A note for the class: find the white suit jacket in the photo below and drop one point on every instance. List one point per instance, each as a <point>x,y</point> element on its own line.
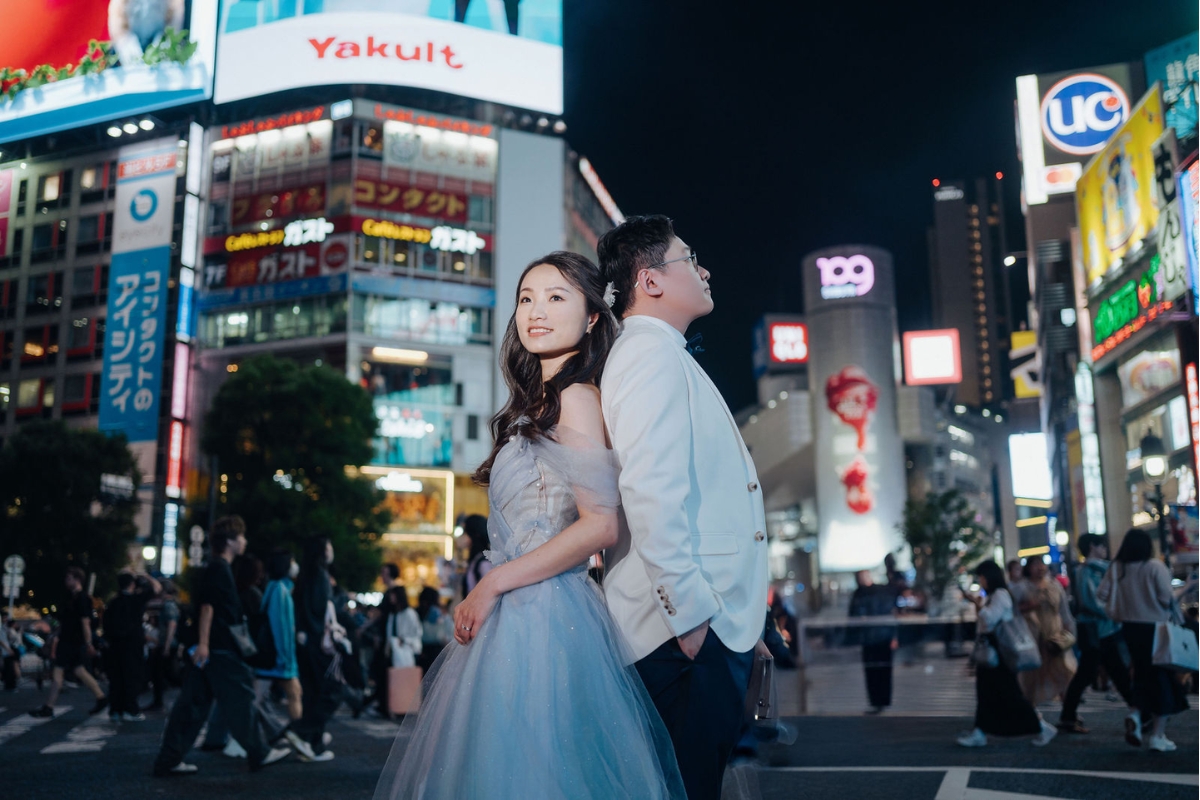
<point>694,546</point>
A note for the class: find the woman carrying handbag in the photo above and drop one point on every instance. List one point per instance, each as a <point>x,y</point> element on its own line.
<point>1137,593</point>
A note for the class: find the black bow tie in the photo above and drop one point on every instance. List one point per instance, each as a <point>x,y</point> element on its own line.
<point>692,345</point>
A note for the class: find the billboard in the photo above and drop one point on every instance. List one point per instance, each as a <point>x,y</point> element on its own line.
<point>1189,199</point>
<point>932,357</point>
<point>504,52</point>
<point>1064,118</point>
<point>1030,466</point>
<point>1115,196</point>
<point>1175,67</point>
<point>131,379</point>
<point>851,326</point>
<point>57,80</point>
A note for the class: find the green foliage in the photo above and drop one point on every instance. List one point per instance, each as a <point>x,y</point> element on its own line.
<point>172,47</point>
<point>52,512</point>
<point>945,539</point>
<point>283,435</point>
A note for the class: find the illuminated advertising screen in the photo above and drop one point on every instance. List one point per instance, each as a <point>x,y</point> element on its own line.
<point>932,357</point>
<point>1115,196</point>
<point>1030,466</point>
<point>506,52</point>
<point>1063,119</point>
<point>858,455</point>
<point>56,79</point>
<point>1176,68</point>
<point>1189,199</point>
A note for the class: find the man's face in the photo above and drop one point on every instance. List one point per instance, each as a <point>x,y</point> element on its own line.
<point>239,545</point>
<point>1100,551</point>
<point>684,283</point>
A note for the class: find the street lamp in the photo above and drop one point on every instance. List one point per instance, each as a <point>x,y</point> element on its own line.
<point>1154,465</point>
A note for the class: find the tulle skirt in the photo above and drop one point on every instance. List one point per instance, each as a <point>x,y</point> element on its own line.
<point>542,704</point>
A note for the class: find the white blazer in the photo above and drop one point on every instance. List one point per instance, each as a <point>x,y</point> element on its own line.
<point>693,546</point>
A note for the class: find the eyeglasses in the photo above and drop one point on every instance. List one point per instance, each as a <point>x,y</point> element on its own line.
<point>690,257</point>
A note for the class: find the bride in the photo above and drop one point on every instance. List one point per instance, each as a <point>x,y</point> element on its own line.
<point>536,698</point>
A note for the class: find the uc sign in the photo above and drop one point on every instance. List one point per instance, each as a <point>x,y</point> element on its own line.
<point>1081,112</point>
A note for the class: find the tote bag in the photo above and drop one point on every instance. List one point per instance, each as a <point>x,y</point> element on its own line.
<point>1018,649</point>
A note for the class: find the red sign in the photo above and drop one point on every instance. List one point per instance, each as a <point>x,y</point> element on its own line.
<point>148,165</point>
<point>273,123</point>
<point>431,121</point>
<point>932,357</point>
<point>1193,390</point>
<point>788,342</point>
<point>3,235</point>
<point>175,460</point>
<point>6,182</point>
<point>405,199</point>
<point>281,204</point>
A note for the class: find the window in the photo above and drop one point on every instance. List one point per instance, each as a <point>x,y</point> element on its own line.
<point>94,234</point>
<point>22,197</point>
<point>79,337</point>
<point>8,298</point>
<point>49,241</point>
<point>93,181</point>
<point>44,294</point>
<point>479,211</point>
<point>368,249</point>
<point>54,191</point>
<point>41,344</point>
<point>5,396</point>
<point>77,393</point>
<point>472,427</point>
<point>29,395</point>
<point>14,256</point>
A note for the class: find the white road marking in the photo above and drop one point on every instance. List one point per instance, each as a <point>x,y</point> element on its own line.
<point>89,736</point>
<point>954,785</point>
<point>1177,778</point>
<point>24,723</point>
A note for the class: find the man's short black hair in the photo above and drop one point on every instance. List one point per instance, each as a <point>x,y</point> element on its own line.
<point>224,531</point>
<point>1089,540</point>
<point>636,244</point>
<point>392,571</point>
<point>125,580</point>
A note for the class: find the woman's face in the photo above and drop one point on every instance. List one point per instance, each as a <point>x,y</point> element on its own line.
<point>982,581</point>
<point>1037,570</point>
<point>552,315</point>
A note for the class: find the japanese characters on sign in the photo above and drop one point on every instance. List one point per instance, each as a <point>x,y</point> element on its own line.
<point>1176,66</point>
<point>137,292</point>
<point>299,201</point>
<point>275,265</point>
<point>404,199</point>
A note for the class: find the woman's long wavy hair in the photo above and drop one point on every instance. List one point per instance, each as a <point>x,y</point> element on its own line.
<point>532,401</point>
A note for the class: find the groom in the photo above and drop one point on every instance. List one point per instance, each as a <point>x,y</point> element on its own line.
<point>687,581</point>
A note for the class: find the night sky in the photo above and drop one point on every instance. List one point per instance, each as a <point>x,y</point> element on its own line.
<point>785,127</point>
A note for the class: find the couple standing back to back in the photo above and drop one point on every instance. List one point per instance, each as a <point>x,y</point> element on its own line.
<point>613,439</point>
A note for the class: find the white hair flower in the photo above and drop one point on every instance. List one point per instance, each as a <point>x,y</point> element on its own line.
<point>610,295</point>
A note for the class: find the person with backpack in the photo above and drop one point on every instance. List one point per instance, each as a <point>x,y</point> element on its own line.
<point>1001,708</point>
<point>276,660</point>
<point>123,620</point>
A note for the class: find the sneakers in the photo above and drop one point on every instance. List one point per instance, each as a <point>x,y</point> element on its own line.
<point>101,704</point>
<point>975,738</point>
<point>127,717</point>
<point>1046,736</point>
<point>1133,729</point>
<point>233,749</point>
<point>299,745</point>
<point>326,738</point>
<point>324,755</point>
<point>1160,744</point>
<point>274,755</point>
<point>179,769</point>
<point>44,711</point>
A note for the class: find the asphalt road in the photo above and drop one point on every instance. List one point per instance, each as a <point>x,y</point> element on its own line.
<point>889,757</point>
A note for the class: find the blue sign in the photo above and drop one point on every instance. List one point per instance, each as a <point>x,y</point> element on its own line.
<point>131,381</point>
<point>185,319</point>
<point>288,290</point>
<point>1080,113</point>
<point>1175,67</point>
<point>143,205</point>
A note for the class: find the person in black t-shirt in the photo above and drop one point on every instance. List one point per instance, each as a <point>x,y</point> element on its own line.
<point>74,649</point>
<point>126,636</point>
<point>218,672</point>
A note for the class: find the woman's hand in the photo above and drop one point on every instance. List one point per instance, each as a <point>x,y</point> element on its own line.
<point>471,613</point>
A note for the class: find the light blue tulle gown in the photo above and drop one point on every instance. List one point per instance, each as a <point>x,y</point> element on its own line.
<point>543,703</point>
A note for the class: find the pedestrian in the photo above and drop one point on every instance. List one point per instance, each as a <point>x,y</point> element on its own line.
<point>389,574</point>
<point>878,641</point>
<point>218,671</point>
<point>1001,708</point>
<point>280,611</point>
<point>1137,593</point>
<point>1098,637</point>
<point>316,656</point>
<point>1017,585</point>
<point>404,631</point>
<point>248,575</point>
<point>1048,614</point>
<point>11,650</point>
<point>124,621</point>
<point>162,649</point>
<point>437,628</point>
<point>73,648</point>
<point>475,528</point>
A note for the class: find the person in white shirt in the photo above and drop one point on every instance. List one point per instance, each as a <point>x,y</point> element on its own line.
<point>687,580</point>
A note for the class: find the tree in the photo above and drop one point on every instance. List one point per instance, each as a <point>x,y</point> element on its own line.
<point>283,435</point>
<point>945,539</point>
<point>54,512</point>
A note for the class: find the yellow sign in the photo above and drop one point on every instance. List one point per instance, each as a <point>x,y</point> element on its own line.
<point>1115,195</point>
<point>392,230</point>
<point>1026,361</point>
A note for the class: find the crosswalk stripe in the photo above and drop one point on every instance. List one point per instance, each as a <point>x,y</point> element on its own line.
<point>25,723</point>
<point>89,736</point>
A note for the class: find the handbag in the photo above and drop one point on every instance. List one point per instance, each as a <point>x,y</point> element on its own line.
<point>762,702</point>
<point>1175,646</point>
<point>243,639</point>
<point>1018,649</point>
<point>984,654</point>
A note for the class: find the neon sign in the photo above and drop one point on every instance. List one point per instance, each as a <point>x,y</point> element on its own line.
<point>846,276</point>
<point>1127,310</point>
<point>789,342</point>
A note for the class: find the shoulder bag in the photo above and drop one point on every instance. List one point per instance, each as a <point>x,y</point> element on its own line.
<point>1174,645</point>
<point>1018,649</point>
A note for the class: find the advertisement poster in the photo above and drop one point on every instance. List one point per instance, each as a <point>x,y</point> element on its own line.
<point>148,67</point>
<point>503,51</point>
<point>1115,196</point>
<point>1189,199</point>
<point>859,457</point>
<point>1175,67</point>
<point>131,380</point>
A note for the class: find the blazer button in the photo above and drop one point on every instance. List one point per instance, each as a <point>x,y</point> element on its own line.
<point>752,486</point>
<point>758,536</point>
<point>670,612</point>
